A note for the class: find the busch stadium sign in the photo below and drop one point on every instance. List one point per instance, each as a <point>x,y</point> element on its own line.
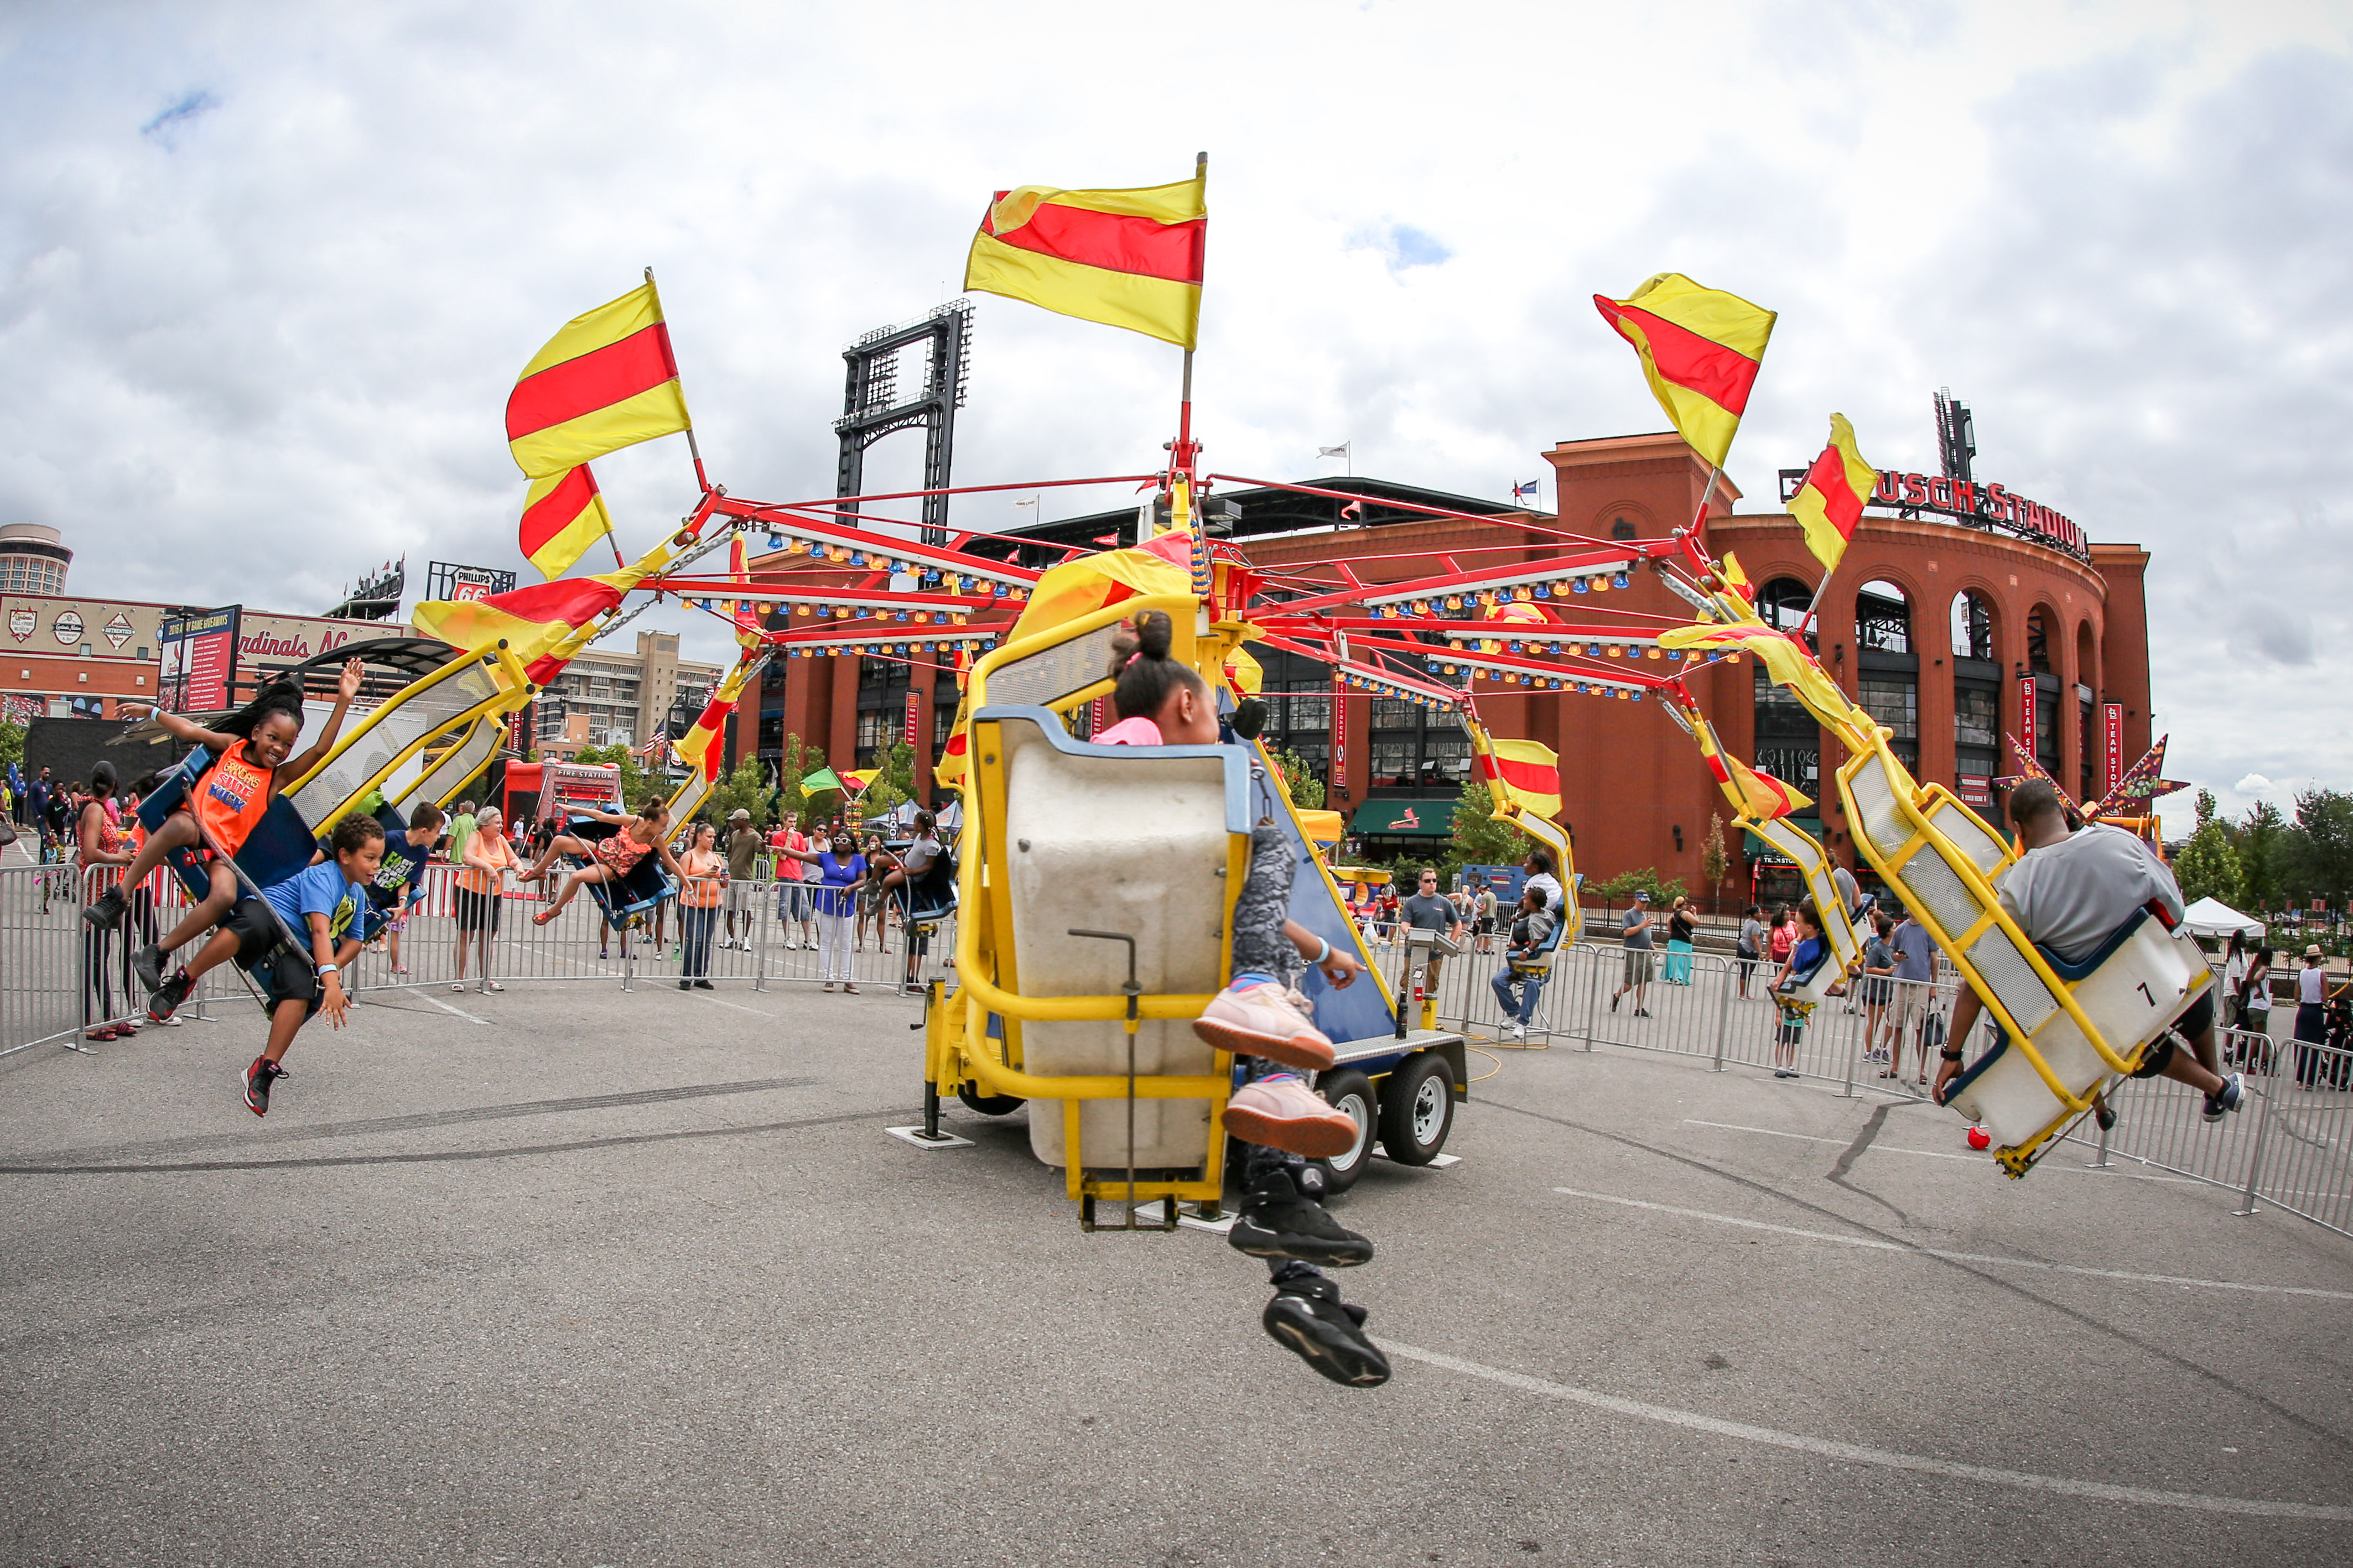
<point>1982,505</point>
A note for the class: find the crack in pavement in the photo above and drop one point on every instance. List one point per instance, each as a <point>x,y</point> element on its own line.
<point>404,1123</point>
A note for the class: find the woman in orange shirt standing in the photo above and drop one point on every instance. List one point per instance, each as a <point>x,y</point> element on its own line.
<point>698,913</point>
<point>481,891</point>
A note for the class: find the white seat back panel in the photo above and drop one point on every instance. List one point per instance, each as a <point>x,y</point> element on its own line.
<point>1136,843</point>
<point>2142,987</point>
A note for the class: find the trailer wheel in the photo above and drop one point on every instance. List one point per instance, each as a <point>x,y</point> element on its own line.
<point>1418,1110</point>
<point>989,1104</point>
<point>1350,1092</point>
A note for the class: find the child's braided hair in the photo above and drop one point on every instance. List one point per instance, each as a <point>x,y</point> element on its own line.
<point>1143,671</point>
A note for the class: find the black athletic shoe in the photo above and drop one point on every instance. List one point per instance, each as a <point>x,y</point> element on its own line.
<point>165,999</point>
<point>107,912</point>
<point>686,986</point>
<point>258,1079</point>
<point>1308,1318</point>
<point>1277,1222</point>
<point>148,965</point>
<point>2233,1096</point>
<point>2106,1115</point>
<point>705,985</point>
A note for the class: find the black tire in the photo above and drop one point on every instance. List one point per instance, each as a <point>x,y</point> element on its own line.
<point>1417,1109</point>
<point>989,1104</point>
<point>1350,1090</point>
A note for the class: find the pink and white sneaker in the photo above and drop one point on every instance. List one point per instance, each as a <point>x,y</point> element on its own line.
<point>1283,1113</point>
<point>1260,1020</point>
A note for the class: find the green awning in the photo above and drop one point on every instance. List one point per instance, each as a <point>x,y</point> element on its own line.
<point>1433,818</point>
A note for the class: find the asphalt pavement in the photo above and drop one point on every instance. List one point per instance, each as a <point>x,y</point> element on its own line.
<point>571,1277</point>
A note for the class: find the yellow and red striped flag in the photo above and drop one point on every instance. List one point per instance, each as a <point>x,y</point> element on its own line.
<point>744,614</point>
<point>1127,258</point>
<point>1830,503</point>
<point>605,381</point>
<point>563,516</point>
<point>1700,350</point>
<point>544,624</point>
<point>1524,774</point>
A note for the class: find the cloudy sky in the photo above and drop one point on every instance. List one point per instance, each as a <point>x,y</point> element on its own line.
<point>267,271</point>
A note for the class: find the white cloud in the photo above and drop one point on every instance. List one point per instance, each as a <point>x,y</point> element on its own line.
<point>2253,785</point>
<point>267,273</point>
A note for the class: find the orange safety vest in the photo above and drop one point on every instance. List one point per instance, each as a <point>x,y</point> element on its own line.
<point>231,798</point>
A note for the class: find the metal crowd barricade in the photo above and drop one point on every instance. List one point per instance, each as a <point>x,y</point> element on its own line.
<point>2291,1146</point>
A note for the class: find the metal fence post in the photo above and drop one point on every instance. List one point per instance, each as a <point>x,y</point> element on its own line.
<point>2254,1158</point>
<point>1853,1050</point>
<point>760,942</point>
<point>1592,997</point>
<point>1723,1010</point>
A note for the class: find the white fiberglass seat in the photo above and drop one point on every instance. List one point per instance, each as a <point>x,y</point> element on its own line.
<point>1140,840</point>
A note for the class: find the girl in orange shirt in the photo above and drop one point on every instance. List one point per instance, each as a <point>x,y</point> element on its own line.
<point>250,751</point>
<point>706,873</point>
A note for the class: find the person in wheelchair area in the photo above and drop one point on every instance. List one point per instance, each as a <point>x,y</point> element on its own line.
<point>1284,1125</point>
<point>2069,891</point>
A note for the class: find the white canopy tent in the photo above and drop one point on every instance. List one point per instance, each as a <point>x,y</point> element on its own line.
<point>2212,918</point>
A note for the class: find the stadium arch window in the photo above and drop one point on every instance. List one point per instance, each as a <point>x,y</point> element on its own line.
<point>2038,641</point>
<point>1882,619</point>
<point>1972,626</point>
<point>1783,602</point>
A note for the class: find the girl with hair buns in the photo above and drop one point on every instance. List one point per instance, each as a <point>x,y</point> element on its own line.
<point>1162,703</point>
<point>250,765</point>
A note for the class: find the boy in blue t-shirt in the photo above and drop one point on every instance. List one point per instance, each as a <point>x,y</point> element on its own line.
<point>399,883</point>
<point>323,909</point>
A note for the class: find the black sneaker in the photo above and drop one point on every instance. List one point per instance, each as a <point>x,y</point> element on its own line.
<point>258,1079</point>
<point>1613,1000</point>
<point>148,965</point>
<point>1641,1011</point>
<point>1308,1318</point>
<point>166,998</point>
<point>2105,1114</point>
<point>705,985</point>
<point>107,912</point>
<point>686,986</point>
<point>1276,1221</point>
<point>2233,1096</point>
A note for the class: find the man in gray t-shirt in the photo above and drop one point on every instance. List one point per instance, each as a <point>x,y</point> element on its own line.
<point>1429,910</point>
<point>1637,939</point>
<point>2069,891</point>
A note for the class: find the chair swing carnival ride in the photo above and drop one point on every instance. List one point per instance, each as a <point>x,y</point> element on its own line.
<point>1095,887</point>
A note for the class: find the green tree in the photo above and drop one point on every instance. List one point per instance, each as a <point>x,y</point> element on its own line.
<point>744,789</point>
<point>1715,861</point>
<point>1306,789</point>
<point>1479,839</point>
<point>2320,846</point>
<point>2261,842</point>
<point>894,785</point>
<point>12,742</point>
<point>2206,868</point>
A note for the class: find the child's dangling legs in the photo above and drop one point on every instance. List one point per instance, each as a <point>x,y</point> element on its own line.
<point>1285,1124</point>
<point>1255,1017</point>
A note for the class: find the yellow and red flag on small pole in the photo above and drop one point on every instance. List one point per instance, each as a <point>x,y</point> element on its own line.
<point>743,612</point>
<point>564,516</point>
<point>607,381</point>
<point>1830,503</point>
<point>1127,258</point>
<point>1700,350</point>
<point>544,624</point>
